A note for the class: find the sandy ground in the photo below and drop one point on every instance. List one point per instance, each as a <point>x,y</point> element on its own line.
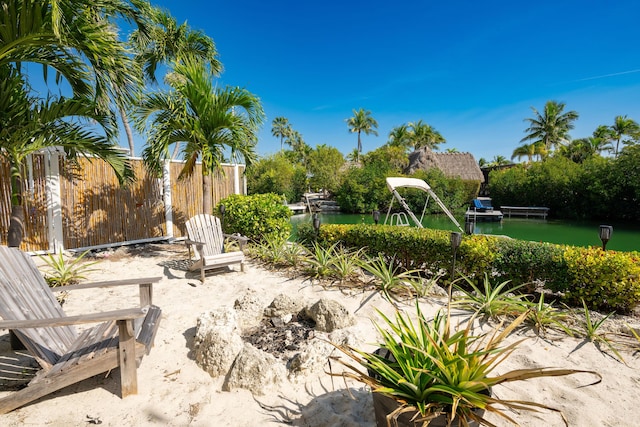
<point>174,391</point>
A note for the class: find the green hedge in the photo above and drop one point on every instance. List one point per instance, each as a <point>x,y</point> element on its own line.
<point>259,217</point>
<point>604,280</point>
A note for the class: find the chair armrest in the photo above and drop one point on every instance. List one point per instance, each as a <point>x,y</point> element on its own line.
<point>124,314</point>
<point>145,284</point>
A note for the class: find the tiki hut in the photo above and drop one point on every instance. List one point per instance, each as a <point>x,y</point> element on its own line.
<point>454,165</point>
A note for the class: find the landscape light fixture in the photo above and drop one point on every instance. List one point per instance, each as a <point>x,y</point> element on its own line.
<point>605,235</point>
<point>316,223</point>
<point>222,209</point>
<point>376,216</point>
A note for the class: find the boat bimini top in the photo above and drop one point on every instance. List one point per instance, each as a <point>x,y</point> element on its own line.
<point>394,183</point>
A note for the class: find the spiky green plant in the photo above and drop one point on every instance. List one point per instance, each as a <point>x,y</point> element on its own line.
<point>490,301</point>
<point>346,264</point>
<point>389,277</point>
<point>592,330</point>
<point>543,316</point>
<point>434,369</point>
<point>63,271</point>
<point>319,261</point>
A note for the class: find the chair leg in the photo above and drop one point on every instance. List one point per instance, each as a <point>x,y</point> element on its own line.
<point>202,274</point>
<point>127,358</point>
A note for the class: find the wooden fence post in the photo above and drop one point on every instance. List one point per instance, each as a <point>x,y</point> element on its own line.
<point>54,201</point>
<point>166,193</point>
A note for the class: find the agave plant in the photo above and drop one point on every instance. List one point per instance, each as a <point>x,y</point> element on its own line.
<point>389,277</point>
<point>491,301</point>
<point>431,369</point>
<point>592,330</point>
<point>63,272</point>
<point>319,262</point>
<point>346,264</point>
<point>543,316</point>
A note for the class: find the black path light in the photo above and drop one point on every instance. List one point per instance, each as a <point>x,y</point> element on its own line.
<point>223,209</point>
<point>376,216</point>
<point>605,235</point>
<point>316,223</point>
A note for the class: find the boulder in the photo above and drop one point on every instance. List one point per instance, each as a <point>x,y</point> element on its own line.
<point>217,341</point>
<point>255,370</point>
<point>329,315</point>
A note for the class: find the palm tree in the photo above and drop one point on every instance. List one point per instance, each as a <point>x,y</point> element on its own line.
<point>29,125</point>
<point>362,122</point>
<point>424,135</point>
<point>529,151</point>
<point>624,126</point>
<point>208,119</point>
<point>164,42</point>
<point>551,127</point>
<point>77,39</point>
<point>603,136</point>
<point>400,136</point>
<point>280,128</point>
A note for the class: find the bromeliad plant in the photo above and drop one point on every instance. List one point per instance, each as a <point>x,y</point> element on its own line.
<point>64,272</point>
<point>431,369</point>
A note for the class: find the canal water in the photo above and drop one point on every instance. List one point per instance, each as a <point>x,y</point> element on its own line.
<point>625,237</point>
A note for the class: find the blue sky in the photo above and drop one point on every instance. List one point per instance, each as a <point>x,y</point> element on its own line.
<point>470,69</point>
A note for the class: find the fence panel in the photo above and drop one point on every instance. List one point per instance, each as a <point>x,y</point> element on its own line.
<point>35,204</point>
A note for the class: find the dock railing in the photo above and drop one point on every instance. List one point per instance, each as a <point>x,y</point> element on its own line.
<point>526,211</point>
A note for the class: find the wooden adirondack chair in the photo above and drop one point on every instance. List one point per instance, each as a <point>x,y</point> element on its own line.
<point>29,307</point>
<point>207,239</point>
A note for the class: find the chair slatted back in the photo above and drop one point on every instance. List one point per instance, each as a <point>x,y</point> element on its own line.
<point>208,230</point>
<point>24,295</point>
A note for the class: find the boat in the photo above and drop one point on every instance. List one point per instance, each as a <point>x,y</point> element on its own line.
<point>481,209</point>
<point>402,218</point>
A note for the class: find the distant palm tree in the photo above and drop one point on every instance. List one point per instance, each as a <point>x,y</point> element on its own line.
<point>552,126</point>
<point>529,151</point>
<point>451,150</point>
<point>362,122</point>
<point>624,126</point>
<point>29,125</point>
<point>604,137</point>
<point>210,120</point>
<point>424,135</point>
<point>400,136</point>
<point>280,128</point>
<point>580,149</point>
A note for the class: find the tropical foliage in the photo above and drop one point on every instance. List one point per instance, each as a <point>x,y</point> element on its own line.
<point>551,127</point>
<point>362,121</point>
<point>211,121</point>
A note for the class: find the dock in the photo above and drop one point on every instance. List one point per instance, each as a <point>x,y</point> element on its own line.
<point>297,208</point>
<point>525,211</point>
<point>483,215</point>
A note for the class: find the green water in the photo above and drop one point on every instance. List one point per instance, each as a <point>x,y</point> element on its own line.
<point>625,237</point>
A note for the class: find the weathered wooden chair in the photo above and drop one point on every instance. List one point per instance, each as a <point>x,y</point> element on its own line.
<point>29,307</point>
<point>205,235</point>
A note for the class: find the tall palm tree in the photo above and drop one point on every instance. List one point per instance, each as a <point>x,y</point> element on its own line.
<point>424,135</point>
<point>209,120</point>
<point>280,128</point>
<point>362,122</point>
<point>603,137</point>
<point>552,126</point>
<point>624,126</point>
<point>400,136</point>
<point>29,125</point>
<point>163,42</point>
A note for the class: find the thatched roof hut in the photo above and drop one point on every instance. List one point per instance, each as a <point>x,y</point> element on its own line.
<point>460,165</point>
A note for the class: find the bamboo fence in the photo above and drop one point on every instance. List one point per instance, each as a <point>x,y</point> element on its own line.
<point>97,211</point>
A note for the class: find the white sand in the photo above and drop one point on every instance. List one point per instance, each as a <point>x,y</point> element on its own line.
<point>174,391</point>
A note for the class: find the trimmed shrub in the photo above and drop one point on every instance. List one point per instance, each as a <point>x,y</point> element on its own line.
<point>259,217</point>
<point>605,280</point>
